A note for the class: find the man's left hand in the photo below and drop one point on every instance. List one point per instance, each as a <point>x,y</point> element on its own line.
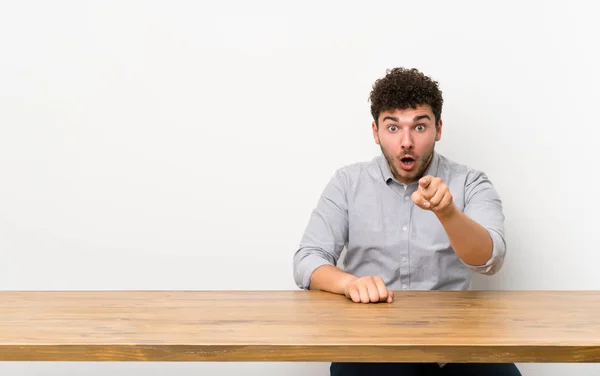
<point>433,194</point>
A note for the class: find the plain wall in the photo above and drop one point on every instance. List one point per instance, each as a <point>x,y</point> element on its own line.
<point>183,145</point>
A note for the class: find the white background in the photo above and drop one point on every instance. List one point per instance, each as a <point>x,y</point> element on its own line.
<point>182,145</point>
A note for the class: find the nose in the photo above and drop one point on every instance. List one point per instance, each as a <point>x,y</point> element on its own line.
<point>407,141</point>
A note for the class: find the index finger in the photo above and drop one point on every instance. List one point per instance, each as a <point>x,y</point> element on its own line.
<point>425,181</point>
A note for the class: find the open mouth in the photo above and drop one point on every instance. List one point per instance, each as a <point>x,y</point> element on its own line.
<point>407,162</point>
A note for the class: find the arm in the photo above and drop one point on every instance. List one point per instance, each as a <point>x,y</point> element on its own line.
<point>323,240</point>
<point>484,207</point>
<point>330,278</point>
<point>477,234</point>
<point>320,248</point>
<point>470,241</point>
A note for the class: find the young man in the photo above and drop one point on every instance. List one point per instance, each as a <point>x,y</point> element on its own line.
<point>409,219</point>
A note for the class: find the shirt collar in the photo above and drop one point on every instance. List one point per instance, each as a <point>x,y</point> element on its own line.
<point>386,172</point>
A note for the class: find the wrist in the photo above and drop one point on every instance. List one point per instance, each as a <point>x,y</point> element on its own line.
<point>346,282</point>
<point>447,213</point>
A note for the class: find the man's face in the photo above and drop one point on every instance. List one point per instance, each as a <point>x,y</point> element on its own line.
<point>407,139</point>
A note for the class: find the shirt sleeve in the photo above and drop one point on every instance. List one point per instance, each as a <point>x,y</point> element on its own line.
<point>326,233</point>
<point>483,205</point>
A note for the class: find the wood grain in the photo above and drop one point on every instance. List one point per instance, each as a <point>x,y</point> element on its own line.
<point>419,326</point>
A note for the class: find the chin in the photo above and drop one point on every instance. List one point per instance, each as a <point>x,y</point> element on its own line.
<point>412,176</point>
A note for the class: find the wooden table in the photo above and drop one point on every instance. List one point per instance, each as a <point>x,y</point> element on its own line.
<point>426,326</point>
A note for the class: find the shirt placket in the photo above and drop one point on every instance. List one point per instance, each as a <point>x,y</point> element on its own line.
<point>404,234</point>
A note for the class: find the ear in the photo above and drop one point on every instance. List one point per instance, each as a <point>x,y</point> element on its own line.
<point>438,134</point>
<point>375,134</point>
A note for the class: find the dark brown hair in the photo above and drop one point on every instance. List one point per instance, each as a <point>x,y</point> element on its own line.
<point>402,88</point>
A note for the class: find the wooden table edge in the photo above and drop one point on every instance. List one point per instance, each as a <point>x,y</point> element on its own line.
<point>301,353</point>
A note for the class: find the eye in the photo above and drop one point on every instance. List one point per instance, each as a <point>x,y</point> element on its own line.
<point>420,127</point>
<point>393,128</point>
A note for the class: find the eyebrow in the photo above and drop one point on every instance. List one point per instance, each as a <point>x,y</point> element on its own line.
<point>416,118</point>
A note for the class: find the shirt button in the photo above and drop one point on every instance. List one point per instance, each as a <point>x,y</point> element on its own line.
<point>404,259</point>
<point>404,287</point>
<point>404,228</point>
<point>406,198</point>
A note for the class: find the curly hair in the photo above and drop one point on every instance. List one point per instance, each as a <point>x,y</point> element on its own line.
<point>402,88</point>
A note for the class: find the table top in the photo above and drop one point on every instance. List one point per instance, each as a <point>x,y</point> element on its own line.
<point>419,326</point>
